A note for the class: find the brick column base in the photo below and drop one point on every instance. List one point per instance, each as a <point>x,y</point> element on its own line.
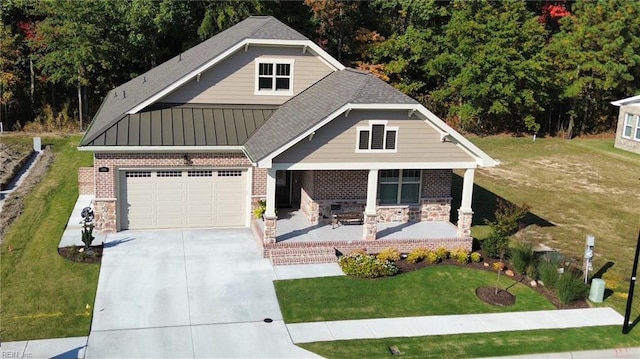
<point>104,210</point>
<point>369,227</point>
<point>270,230</point>
<point>465,219</point>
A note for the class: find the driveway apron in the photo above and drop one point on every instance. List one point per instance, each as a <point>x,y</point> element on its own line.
<point>187,294</point>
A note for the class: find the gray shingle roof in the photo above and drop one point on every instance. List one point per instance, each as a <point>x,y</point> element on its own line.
<point>129,95</point>
<point>311,106</point>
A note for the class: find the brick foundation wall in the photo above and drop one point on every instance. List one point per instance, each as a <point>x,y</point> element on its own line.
<point>402,245</point>
<point>86,184</point>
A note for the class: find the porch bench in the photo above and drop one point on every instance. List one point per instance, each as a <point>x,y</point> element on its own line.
<point>344,218</point>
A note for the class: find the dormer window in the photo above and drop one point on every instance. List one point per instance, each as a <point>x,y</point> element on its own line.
<point>274,77</point>
<point>377,137</point>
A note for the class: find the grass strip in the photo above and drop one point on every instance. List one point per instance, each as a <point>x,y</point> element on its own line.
<point>481,345</point>
<point>437,290</point>
<point>43,295</point>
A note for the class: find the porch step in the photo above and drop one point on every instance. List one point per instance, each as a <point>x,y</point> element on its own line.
<point>305,255</point>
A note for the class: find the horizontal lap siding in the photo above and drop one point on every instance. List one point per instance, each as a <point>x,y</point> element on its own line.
<point>336,142</point>
<point>233,80</point>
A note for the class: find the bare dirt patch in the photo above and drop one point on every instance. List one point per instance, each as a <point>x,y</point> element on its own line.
<point>79,255</point>
<point>14,202</point>
<point>12,157</point>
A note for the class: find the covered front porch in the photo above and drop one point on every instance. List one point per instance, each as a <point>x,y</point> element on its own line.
<point>293,226</point>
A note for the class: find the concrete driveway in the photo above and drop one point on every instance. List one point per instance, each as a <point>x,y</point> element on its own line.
<point>187,294</point>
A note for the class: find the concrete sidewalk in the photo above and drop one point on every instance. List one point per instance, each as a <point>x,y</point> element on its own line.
<point>452,324</point>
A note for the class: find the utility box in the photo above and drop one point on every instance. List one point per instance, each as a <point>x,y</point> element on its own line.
<point>37,146</point>
<point>596,294</point>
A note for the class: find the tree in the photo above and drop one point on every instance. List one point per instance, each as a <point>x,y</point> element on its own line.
<point>494,69</point>
<point>597,58</point>
<point>9,69</point>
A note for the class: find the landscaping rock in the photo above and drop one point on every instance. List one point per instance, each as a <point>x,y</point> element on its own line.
<point>534,283</point>
<point>509,273</point>
<point>486,264</point>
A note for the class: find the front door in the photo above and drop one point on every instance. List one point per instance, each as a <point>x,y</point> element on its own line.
<point>283,188</point>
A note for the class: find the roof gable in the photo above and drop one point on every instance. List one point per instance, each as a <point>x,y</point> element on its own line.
<point>629,101</point>
<point>141,91</point>
<point>313,105</point>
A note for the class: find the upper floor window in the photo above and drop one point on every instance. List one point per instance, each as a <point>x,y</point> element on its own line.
<point>274,77</point>
<point>378,136</point>
<point>628,126</point>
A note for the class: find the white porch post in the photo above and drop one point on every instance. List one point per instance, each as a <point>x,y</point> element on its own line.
<point>369,228</point>
<point>465,213</point>
<point>270,212</point>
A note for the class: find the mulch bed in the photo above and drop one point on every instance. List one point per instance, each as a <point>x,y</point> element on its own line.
<point>74,254</point>
<point>496,296</point>
<point>405,267</point>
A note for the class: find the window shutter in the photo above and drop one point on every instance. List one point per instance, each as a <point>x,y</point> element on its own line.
<point>363,141</point>
<point>391,140</point>
<point>377,137</point>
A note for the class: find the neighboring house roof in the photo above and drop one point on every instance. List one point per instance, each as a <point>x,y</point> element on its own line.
<point>629,101</point>
<point>186,126</point>
<point>316,103</point>
<point>129,97</point>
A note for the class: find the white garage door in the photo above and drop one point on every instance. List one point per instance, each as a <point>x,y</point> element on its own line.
<point>182,199</point>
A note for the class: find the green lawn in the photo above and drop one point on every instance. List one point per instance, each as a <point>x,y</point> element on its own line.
<point>43,295</point>
<point>575,187</point>
<point>437,290</point>
<point>480,345</point>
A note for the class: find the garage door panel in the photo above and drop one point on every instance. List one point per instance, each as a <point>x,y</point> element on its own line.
<point>173,199</point>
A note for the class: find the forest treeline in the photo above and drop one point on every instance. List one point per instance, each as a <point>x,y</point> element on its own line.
<point>548,67</point>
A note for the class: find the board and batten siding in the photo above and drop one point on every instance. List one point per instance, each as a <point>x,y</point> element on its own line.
<point>232,81</point>
<point>336,142</point>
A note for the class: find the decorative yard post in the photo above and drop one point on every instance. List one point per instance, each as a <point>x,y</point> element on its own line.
<point>465,213</point>
<point>369,225</point>
<point>270,217</point>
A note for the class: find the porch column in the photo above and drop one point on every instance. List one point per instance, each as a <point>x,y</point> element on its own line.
<point>369,228</point>
<point>270,217</point>
<point>465,213</point>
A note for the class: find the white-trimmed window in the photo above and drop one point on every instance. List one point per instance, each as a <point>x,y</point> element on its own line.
<point>628,126</point>
<point>637,134</point>
<point>378,136</point>
<point>399,186</point>
<point>274,77</point>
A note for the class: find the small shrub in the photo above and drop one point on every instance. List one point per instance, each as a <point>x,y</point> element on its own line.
<point>442,253</point>
<point>389,254</point>
<point>87,235</point>
<point>532,271</point>
<point>570,287</point>
<point>260,209</point>
<point>432,257</point>
<point>498,266</point>
<point>548,273</point>
<point>417,255</point>
<point>365,266</point>
<point>522,256</point>
<point>475,257</point>
<point>359,251</point>
<point>460,255</point>
<point>495,245</point>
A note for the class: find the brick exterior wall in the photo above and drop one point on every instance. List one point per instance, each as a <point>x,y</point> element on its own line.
<point>105,204</point>
<point>259,182</point>
<point>321,189</point>
<point>86,184</point>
